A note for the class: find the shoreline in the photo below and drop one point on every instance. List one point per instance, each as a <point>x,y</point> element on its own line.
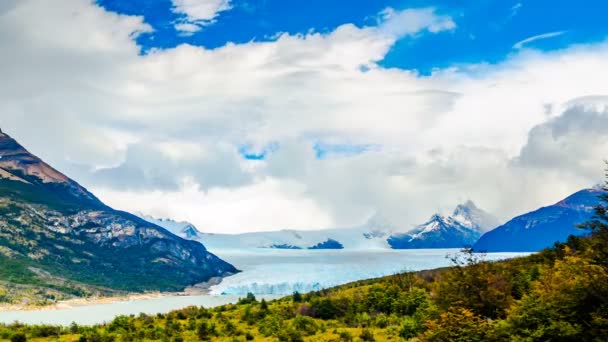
<point>200,289</point>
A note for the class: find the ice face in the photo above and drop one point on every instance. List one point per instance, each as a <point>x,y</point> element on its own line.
<point>281,272</point>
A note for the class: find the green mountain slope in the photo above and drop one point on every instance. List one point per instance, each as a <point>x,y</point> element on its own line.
<point>51,225</point>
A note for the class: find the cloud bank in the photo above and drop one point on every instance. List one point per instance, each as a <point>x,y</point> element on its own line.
<point>162,133</point>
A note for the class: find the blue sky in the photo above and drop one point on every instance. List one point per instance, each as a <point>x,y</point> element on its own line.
<point>486,30</point>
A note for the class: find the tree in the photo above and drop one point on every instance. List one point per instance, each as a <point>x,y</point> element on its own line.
<point>206,331</point>
<point>263,305</point>
<point>476,285</point>
<point>249,299</point>
<point>598,225</point>
<point>457,325</point>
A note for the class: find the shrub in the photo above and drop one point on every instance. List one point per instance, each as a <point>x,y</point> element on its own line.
<point>367,335</point>
<point>18,337</point>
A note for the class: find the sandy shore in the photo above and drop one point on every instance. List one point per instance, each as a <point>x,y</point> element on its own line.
<point>194,290</point>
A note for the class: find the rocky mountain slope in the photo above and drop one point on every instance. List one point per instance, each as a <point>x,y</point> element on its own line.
<point>541,228</point>
<point>49,224</point>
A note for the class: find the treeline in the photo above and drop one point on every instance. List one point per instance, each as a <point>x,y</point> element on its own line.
<point>560,294</point>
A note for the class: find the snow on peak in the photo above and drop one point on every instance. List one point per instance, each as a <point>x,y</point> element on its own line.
<point>470,216</point>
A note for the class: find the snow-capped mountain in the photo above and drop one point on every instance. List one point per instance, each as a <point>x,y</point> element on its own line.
<point>541,228</point>
<point>462,229</point>
<point>470,216</point>
<point>372,235</point>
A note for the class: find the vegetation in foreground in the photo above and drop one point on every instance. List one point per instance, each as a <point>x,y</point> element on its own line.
<point>560,294</point>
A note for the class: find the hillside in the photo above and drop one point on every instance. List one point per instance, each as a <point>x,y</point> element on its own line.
<point>58,240</point>
<point>558,294</point>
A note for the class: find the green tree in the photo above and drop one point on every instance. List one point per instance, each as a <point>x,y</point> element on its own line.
<point>598,225</point>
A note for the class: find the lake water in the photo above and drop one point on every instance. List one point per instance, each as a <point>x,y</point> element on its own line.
<point>269,273</point>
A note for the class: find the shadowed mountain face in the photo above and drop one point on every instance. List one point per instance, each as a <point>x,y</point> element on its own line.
<point>49,222</point>
<point>541,228</point>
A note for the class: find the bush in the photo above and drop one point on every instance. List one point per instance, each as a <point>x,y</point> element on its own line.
<point>325,309</point>
<point>367,335</point>
<point>206,331</point>
<point>18,337</point>
<point>345,336</point>
<point>457,325</point>
<point>306,325</point>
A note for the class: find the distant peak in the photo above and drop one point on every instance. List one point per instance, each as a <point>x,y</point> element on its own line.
<point>466,206</point>
<point>469,215</point>
<point>437,217</point>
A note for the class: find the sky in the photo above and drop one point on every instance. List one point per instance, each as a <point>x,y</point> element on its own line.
<point>244,116</point>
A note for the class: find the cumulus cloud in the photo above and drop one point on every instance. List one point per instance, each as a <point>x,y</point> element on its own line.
<point>198,13</point>
<point>412,21</point>
<point>572,141</point>
<point>160,133</point>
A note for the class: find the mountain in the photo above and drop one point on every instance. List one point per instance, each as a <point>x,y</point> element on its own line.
<point>371,235</point>
<point>52,226</point>
<point>461,229</point>
<point>541,228</point>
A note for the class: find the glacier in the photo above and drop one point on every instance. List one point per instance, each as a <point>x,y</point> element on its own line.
<point>282,272</point>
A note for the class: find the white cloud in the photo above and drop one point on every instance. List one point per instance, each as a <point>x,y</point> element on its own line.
<point>159,133</point>
<point>229,211</point>
<point>524,42</point>
<point>412,21</point>
<point>198,13</point>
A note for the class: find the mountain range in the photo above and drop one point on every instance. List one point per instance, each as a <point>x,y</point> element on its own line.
<point>371,235</point>
<point>467,226</point>
<point>55,233</point>
<point>462,229</point>
<point>59,239</point>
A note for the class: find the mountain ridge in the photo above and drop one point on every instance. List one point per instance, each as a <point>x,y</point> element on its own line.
<point>376,233</point>
<point>541,228</point>
<point>50,222</point>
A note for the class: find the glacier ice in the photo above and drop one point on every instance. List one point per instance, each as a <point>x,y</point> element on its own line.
<point>281,272</point>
